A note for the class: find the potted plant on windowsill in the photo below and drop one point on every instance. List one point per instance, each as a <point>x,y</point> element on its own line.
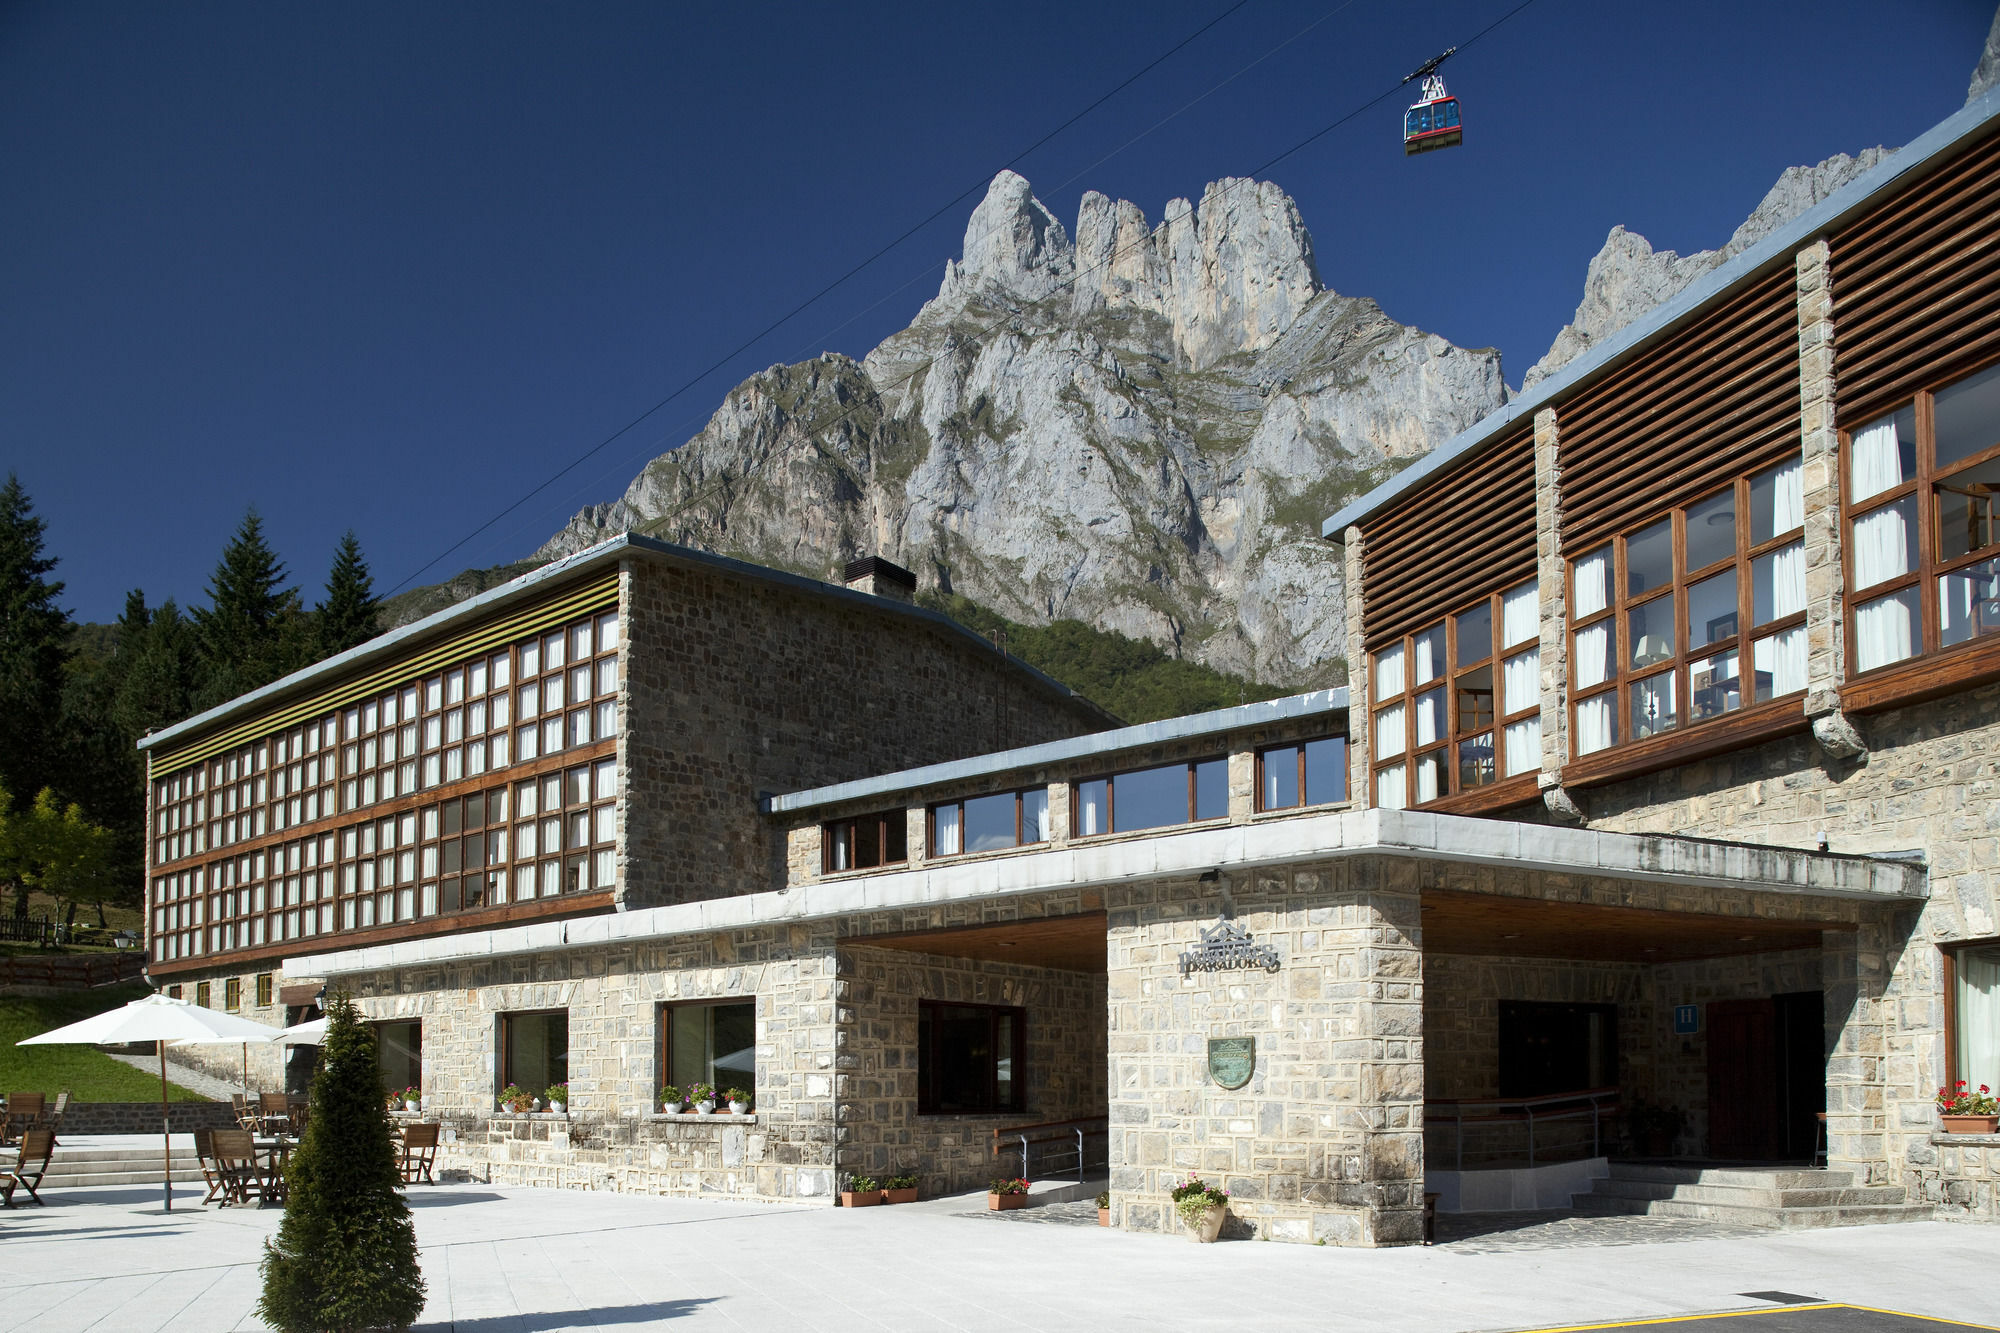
<point>861,1192</point>
<point>704,1098</point>
<point>899,1189</point>
<point>670,1100</point>
<point>413,1099</point>
<point>514,1100</point>
<point>1004,1194</point>
<point>1202,1208</point>
<point>558,1095</point>
<point>1104,1208</point>
<point>738,1099</point>
<point>1963,1111</point>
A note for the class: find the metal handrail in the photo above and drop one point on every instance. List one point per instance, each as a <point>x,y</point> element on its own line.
<point>1593,1102</point>
<point>1077,1128</point>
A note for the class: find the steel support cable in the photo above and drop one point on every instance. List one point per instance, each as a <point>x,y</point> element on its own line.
<point>811,435</point>
<point>802,306</point>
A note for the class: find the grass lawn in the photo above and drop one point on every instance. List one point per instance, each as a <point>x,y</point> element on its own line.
<point>88,1073</point>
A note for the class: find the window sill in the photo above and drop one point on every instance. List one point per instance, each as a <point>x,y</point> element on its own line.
<point>1294,811</point>
<point>1962,667</point>
<point>1751,726</point>
<point>1517,790</point>
<point>695,1118</point>
<point>530,1115</point>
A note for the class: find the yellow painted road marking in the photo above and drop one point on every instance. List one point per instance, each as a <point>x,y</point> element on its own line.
<point>1749,1313</point>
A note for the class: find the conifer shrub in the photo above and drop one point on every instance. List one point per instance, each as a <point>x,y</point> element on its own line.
<point>345,1256</point>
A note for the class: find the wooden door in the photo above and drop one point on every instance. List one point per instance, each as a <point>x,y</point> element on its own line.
<point>1743,1074</point>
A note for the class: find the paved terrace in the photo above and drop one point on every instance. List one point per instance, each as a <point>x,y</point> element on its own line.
<point>515,1260</point>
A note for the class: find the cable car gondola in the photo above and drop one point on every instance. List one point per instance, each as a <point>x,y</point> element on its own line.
<point>1432,120</point>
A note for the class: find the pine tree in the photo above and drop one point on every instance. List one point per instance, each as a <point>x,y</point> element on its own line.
<point>345,1256</point>
<point>252,630</point>
<point>34,638</point>
<point>350,614</point>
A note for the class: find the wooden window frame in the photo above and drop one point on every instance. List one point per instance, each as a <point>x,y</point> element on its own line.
<point>1948,974</point>
<point>504,1064</point>
<point>1455,733</point>
<point>896,818</point>
<point>1017,1054</point>
<point>232,994</point>
<point>1934,667</point>
<point>663,1046</point>
<point>263,990</point>
<point>1299,747</point>
<point>1110,781</point>
<point>1620,603</point>
<point>1021,838</point>
<point>203,993</point>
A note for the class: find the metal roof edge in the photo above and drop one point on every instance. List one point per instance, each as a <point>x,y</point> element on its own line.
<point>1912,161</point>
<point>1185,727</point>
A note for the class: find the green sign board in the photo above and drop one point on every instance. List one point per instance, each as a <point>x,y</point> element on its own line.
<point>1232,1060</point>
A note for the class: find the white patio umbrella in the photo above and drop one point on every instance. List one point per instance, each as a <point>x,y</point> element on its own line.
<point>162,1021</point>
<point>309,1033</point>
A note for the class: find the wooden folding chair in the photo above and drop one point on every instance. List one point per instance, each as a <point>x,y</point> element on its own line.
<point>62,1105</point>
<point>37,1146</point>
<point>211,1174</point>
<point>420,1148</point>
<point>24,1111</point>
<point>276,1111</point>
<point>239,1107</point>
<point>235,1153</point>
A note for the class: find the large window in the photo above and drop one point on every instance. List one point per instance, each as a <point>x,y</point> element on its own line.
<point>1975,1015</point>
<point>1923,546</point>
<point>1457,704</point>
<point>1310,773</point>
<point>970,1059</point>
<point>1151,798</point>
<point>990,823</point>
<point>534,1050</point>
<point>399,1054</point>
<point>1665,616</point>
<point>709,1043</point>
<point>865,841</point>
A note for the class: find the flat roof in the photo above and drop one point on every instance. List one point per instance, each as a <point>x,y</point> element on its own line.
<point>608,552</point>
<point>1638,857</point>
<point>1928,151</point>
<point>1190,726</point>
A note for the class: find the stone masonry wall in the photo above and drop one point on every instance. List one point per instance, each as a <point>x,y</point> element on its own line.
<point>1324,1143</point>
<point>880,1130</point>
<point>735,688</point>
<point>1960,1175</point>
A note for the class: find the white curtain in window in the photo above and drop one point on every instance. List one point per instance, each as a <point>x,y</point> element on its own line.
<point>1881,546</point>
<point>1389,738</point>
<point>1388,673</point>
<point>1521,681</point>
<point>1390,789</point>
<point>1782,660</point>
<point>1788,497</point>
<point>1520,615</point>
<point>1593,646</point>
<point>1884,631</point>
<point>945,820</point>
<point>1979,1017</point>
<point>1427,779</point>
<point>1593,584</point>
<point>1877,462</point>
<point>1430,718</point>
<point>1788,580</point>
<point>1593,724</point>
<point>1429,649</point>
<point>1524,745</point>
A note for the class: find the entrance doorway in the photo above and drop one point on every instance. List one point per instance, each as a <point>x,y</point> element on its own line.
<point>1766,1076</point>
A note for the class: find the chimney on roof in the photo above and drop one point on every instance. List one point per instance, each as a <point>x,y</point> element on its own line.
<point>881,578</point>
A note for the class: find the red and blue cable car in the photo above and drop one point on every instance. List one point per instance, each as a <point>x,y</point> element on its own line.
<point>1432,120</point>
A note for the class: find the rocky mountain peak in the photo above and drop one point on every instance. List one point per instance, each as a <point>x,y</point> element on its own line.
<point>1986,74</point>
<point>1015,250</point>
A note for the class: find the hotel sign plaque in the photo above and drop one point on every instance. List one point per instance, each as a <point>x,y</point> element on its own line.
<point>1232,1060</point>
<point>1226,945</point>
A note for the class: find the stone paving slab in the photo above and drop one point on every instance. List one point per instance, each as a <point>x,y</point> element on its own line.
<point>1505,1233</point>
<point>518,1260</point>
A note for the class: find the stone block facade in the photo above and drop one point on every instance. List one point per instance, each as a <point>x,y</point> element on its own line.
<point>1325,1141</point>
<point>1959,1174</point>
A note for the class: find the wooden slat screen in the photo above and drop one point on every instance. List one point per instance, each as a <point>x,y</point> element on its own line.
<point>1715,400</point>
<point>1916,286</point>
<point>1469,532</point>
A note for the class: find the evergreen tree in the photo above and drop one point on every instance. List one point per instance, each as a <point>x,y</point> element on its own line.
<point>350,614</point>
<point>34,638</point>
<point>252,630</point>
<point>345,1256</point>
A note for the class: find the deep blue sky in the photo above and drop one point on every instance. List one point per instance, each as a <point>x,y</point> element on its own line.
<point>388,266</point>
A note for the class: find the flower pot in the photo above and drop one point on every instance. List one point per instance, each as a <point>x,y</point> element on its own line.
<point>1205,1231</point>
<point>900,1196</point>
<point>670,1108</point>
<point>1971,1124</point>
<point>861,1199</point>
<point>1000,1203</point>
<point>739,1108</point>
<point>411,1107</point>
<point>704,1108</point>
<point>559,1108</point>
<point>1104,1217</point>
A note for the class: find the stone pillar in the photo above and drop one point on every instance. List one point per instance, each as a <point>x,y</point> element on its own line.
<point>1360,735</point>
<point>1819,442</point>
<point>1853,978</point>
<point>1552,585</point>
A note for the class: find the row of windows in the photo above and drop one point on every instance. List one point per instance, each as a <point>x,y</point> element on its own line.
<point>539,838</point>
<point>1288,777</point>
<point>551,693</point>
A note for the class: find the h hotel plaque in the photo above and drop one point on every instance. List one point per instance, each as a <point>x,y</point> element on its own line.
<point>1232,1060</point>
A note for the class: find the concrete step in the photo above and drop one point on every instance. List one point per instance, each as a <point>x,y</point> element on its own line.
<point>1777,1219</point>
<point>1747,1196</point>
<point>139,1175</point>
<point>1766,1178</point>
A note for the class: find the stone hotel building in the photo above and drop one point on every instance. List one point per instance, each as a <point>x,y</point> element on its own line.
<point>1657,827</point>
